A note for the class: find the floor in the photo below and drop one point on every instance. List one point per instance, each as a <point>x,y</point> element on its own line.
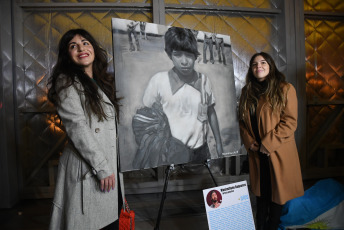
<point>182,210</point>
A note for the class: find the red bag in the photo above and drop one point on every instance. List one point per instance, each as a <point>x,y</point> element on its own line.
<point>127,218</point>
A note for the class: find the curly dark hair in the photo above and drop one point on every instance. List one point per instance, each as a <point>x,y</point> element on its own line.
<point>73,72</point>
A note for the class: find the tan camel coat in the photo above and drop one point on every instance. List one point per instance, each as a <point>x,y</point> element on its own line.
<point>277,135</point>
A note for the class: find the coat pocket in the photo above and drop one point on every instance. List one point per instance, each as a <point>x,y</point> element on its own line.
<point>90,185</point>
<point>72,163</point>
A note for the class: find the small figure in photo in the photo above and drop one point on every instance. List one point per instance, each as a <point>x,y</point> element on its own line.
<point>220,46</point>
<point>131,32</point>
<point>143,30</point>
<point>208,42</point>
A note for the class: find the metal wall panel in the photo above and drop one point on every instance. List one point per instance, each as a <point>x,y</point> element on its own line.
<point>324,42</point>
<point>8,146</point>
<point>324,5</point>
<point>253,26</point>
<point>324,59</point>
<point>84,1</point>
<point>230,3</point>
<point>41,34</point>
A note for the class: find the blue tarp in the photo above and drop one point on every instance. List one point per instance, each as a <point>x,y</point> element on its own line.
<point>321,197</point>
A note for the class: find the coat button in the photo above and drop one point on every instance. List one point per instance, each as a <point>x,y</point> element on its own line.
<point>97,130</point>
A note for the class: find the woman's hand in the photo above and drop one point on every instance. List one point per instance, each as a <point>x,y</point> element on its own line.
<point>254,146</point>
<point>264,150</point>
<point>107,183</point>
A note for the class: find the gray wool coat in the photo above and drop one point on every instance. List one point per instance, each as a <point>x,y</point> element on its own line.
<point>78,201</point>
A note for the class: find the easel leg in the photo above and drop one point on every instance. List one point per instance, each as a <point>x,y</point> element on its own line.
<point>168,171</point>
<point>206,164</point>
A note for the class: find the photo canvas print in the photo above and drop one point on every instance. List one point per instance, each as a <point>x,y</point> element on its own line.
<point>178,95</point>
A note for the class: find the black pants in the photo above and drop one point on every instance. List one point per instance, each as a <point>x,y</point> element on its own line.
<point>112,226</point>
<point>268,212</point>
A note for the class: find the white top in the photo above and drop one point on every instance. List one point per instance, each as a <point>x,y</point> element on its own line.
<point>180,102</point>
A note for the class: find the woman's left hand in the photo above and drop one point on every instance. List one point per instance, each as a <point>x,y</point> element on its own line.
<point>107,183</point>
<point>264,150</point>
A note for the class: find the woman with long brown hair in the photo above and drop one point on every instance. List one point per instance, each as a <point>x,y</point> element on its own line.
<point>268,121</point>
<point>89,188</point>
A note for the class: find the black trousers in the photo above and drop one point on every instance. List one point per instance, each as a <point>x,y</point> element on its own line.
<point>268,212</point>
<point>112,226</point>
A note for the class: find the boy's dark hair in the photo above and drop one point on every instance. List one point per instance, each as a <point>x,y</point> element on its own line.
<point>180,39</point>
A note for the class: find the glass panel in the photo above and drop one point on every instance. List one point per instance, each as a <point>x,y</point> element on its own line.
<point>40,135</point>
<point>324,80</point>
<point>324,5</point>
<point>42,32</point>
<point>84,1</point>
<point>324,59</point>
<point>269,4</point>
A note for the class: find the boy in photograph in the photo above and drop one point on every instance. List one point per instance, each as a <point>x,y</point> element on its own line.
<point>185,96</point>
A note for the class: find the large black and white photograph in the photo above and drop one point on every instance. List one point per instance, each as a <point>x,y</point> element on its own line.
<point>178,95</point>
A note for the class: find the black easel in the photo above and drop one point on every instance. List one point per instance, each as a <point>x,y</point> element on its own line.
<point>168,172</point>
<point>206,164</point>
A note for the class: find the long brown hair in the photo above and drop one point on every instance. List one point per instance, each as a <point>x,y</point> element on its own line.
<point>272,91</point>
<point>73,72</point>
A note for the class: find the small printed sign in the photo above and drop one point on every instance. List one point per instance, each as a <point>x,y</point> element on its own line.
<point>229,207</point>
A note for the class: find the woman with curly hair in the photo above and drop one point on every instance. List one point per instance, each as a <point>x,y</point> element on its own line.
<point>268,120</point>
<point>89,189</point>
